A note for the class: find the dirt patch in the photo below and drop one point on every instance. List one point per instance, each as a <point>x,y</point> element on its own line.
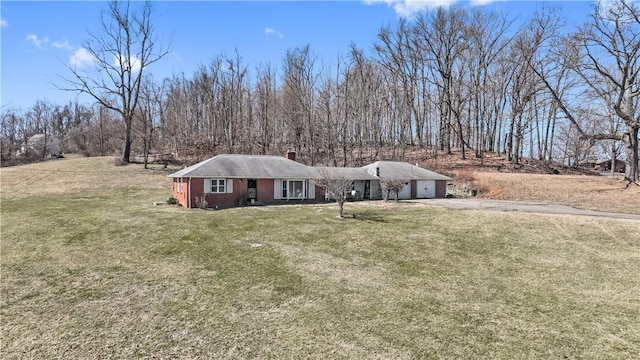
<point>600,193</point>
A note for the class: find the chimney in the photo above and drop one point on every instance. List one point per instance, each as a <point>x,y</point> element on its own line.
<point>378,171</point>
<point>291,155</point>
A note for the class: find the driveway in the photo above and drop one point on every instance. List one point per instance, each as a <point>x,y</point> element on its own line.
<point>539,208</point>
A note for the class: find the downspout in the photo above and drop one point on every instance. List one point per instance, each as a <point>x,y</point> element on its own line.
<point>189,195</point>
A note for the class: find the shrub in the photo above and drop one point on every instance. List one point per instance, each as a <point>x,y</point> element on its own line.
<point>201,202</point>
<point>171,200</point>
<point>391,187</point>
<point>119,162</point>
<point>466,184</point>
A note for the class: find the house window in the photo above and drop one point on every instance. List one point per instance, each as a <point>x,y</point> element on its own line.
<point>293,189</point>
<point>218,185</point>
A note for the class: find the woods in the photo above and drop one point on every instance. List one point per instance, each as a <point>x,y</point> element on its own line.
<point>454,77</point>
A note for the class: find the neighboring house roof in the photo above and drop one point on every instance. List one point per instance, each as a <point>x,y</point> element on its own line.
<point>605,161</point>
<point>247,166</point>
<point>334,173</point>
<point>403,170</point>
<point>37,142</point>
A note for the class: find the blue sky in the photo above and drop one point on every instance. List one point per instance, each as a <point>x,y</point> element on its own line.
<point>39,39</point>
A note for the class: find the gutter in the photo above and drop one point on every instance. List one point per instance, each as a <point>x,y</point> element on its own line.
<point>189,195</point>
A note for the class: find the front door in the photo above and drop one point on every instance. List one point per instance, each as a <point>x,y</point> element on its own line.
<point>252,189</point>
<point>367,190</point>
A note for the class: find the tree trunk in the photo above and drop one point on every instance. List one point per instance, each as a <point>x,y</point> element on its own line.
<point>126,151</point>
<point>631,142</point>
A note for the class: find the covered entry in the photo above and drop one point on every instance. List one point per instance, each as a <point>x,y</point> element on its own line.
<point>252,189</point>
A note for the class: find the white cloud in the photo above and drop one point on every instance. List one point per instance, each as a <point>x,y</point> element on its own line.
<point>407,8</point>
<point>81,57</point>
<point>36,40</point>
<point>3,23</point>
<point>269,31</point>
<point>611,10</point>
<point>482,2</point>
<point>134,62</point>
<point>62,45</point>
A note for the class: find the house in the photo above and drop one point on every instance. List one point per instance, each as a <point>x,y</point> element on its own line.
<point>230,180</point>
<point>605,165</point>
<point>41,145</point>
<point>420,183</point>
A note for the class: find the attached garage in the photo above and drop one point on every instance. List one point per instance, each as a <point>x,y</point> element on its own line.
<point>419,183</point>
<point>426,189</point>
<point>405,193</point>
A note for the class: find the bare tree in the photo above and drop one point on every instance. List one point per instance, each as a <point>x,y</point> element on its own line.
<point>149,114</point>
<point>121,54</point>
<point>336,186</point>
<point>605,54</point>
<point>9,134</point>
<point>391,187</point>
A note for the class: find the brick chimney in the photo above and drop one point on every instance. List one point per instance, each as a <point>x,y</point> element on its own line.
<point>291,155</point>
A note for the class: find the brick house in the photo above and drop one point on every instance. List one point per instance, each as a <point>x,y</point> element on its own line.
<point>231,180</point>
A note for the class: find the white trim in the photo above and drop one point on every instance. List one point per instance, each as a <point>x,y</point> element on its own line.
<point>229,186</point>
<point>311,192</point>
<point>289,189</point>
<point>277,189</point>
<point>189,195</point>
<point>218,181</point>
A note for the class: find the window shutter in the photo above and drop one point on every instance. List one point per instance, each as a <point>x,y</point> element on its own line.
<point>207,186</point>
<point>229,186</point>
<point>312,189</point>
<point>277,189</point>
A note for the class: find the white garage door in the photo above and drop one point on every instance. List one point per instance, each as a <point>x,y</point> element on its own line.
<point>405,193</point>
<point>426,189</point>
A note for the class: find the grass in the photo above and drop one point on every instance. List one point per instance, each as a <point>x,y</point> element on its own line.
<point>97,271</point>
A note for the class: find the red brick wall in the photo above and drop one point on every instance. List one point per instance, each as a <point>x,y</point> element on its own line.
<point>265,190</point>
<point>264,193</point>
<point>441,189</point>
<point>181,196</point>
<point>319,193</point>
<point>220,200</point>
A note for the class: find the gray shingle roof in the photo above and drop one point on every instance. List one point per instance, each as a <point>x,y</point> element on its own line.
<point>351,173</point>
<point>404,171</point>
<point>277,167</point>
<point>248,167</point>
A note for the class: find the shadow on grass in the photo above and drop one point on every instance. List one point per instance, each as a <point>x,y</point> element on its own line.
<point>368,216</point>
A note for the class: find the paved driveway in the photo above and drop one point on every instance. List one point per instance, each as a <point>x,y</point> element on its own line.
<point>497,205</point>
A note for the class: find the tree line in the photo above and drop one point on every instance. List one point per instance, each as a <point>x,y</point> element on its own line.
<point>464,78</point>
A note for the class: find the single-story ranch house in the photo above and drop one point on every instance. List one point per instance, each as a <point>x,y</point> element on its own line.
<point>229,180</point>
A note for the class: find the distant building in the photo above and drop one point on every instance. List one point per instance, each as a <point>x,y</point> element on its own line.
<point>36,145</point>
<point>605,165</point>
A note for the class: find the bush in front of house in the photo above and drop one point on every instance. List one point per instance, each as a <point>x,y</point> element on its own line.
<point>201,202</point>
<point>171,200</point>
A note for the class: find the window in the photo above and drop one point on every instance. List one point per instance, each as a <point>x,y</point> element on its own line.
<point>218,185</point>
<point>293,189</point>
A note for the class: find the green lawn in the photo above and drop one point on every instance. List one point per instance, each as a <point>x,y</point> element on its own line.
<point>91,269</point>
